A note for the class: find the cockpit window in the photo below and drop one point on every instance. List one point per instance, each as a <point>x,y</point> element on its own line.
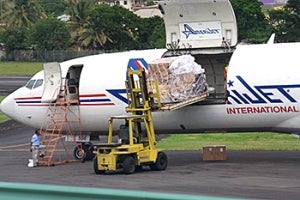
<point>30,84</point>
<point>38,83</point>
<point>34,83</point>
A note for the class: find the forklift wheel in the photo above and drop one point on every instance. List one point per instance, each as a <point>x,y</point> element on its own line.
<point>161,162</point>
<point>96,170</point>
<point>129,165</point>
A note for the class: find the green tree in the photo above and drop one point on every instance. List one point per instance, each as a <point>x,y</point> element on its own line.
<point>153,33</point>
<point>278,20</point>
<point>23,13</point>
<point>252,23</point>
<point>111,28</point>
<point>286,22</point>
<point>51,34</point>
<point>292,8</point>
<point>116,28</point>
<point>80,11</point>
<point>53,7</point>
<point>5,7</point>
<point>15,38</point>
<point>92,39</point>
<point>127,29</point>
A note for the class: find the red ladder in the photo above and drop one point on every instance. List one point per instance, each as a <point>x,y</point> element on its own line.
<point>56,127</point>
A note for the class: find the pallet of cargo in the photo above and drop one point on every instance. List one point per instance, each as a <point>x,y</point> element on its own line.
<point>176,82</point>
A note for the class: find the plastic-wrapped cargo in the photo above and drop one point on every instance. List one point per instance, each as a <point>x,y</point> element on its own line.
<point>179,78</point>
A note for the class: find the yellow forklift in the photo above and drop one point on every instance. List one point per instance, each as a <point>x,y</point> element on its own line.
<point>133,145</point>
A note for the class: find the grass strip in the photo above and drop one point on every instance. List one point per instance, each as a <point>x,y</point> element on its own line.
<point>3,117</point>
<point>20,68</point>
<point>233,141</point>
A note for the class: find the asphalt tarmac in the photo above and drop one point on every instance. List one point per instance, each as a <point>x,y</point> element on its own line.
<point>245,174</point>
<point>8,84</point>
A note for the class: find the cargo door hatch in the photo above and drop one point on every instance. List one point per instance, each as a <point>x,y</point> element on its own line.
<point>207,26</point>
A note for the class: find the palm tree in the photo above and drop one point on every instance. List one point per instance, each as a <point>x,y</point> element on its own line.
<point>23,13</point>
<point>79,11</point>
<point>4,7</point>
<point>93,39</point>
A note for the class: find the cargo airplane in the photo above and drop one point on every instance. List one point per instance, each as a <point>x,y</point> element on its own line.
<point>259,92</point>
<point>251,87</point>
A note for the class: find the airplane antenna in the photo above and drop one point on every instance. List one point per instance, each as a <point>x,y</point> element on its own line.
<point>271,39</point>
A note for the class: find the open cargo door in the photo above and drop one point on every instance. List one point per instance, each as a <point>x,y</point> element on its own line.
<point>52,75</point>
<point>207,25</point>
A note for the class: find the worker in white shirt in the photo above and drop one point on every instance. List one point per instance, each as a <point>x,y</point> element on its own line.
<point>34,146</point>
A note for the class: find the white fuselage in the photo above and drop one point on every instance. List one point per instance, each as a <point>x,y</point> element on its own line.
<point>263,93</point>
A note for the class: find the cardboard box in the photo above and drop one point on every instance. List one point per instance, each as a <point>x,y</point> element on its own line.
<point>214,152</point>
<point>179,78</point>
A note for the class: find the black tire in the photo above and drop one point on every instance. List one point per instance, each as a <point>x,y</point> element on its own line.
<point>161,162</point>
<point>129,165</point>
<point>138,168</point>
<point>90,148</point>
<point>96,170</point>
<point>80,153</point>
<point>84,153</point>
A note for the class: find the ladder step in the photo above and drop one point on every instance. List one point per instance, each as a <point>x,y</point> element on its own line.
<point>52,139</point>
<point>58,115</point>
<point>51,126</point>
<point>45,163</point>
<point>54,127</point>
<point>49,134</point>
<point>59,118</point>
<point>54,130</point>
<point>50,146</point>
<point>60,101</point>
<point>49,139</point>
<point>61,109</point>
<point>56,123</point>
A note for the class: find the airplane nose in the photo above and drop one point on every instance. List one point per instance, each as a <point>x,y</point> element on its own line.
<point>7,106</point>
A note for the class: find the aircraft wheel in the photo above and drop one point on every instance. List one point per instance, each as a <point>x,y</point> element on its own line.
<point>84,153</point>
<point>79,153</point>
<point>129,165</point>
<point>161,162</point>
<point>96,170</point>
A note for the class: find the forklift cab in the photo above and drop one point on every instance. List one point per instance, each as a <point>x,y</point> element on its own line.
<point>135,148</point>
<point>123,134</point>
<point>129,132</point>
